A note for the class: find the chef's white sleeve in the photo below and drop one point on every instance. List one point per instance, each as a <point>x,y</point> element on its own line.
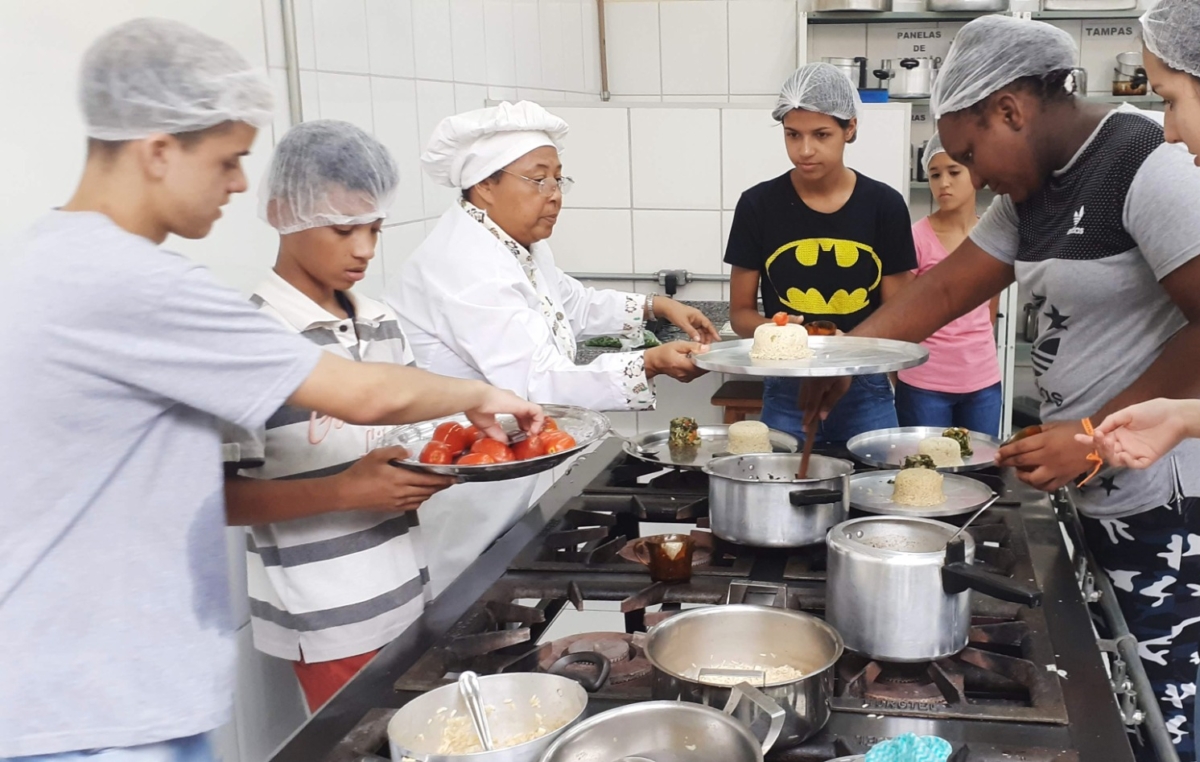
<point>511,346</point>
<point>603,312</point>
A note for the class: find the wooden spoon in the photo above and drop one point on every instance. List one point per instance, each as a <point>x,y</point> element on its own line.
<point>810,436</point>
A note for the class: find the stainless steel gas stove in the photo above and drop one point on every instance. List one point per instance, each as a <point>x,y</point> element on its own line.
<point>1032,685</point>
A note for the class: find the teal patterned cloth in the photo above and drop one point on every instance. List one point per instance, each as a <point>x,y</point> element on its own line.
<point>911,748</point>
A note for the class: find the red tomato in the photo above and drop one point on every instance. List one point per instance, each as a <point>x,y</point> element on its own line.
<point>498,450</point>
<point>473,435</point>
<point>551,425</point>
<point>533,447</point>
<point>437,454</point>
<point>558,441</point>
<point>453,435</point>
<point>475,459</point>
<point>780,318</point>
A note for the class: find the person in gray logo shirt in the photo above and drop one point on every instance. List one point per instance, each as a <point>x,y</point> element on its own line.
<point>1096,216</point>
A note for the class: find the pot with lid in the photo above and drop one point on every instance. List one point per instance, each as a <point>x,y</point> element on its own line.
<point>855,69</point>
<point>968,6</point>
<point>789,656</point>
<point>911,78</point>
<point>1129,76</point>
<point>757,500</point>
<point>898,587</point>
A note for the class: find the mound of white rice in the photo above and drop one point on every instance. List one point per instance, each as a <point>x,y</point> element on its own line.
<point>780,342</point>
<point>918,487</point>
<point>946,452</point>
<point>749,437</point>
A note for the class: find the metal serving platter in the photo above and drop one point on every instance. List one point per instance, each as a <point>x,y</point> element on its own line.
<point>887,448</point>
<point>871,492</point>
<point>714,443</point>
<point>832,356</point>
<point>586,426</point>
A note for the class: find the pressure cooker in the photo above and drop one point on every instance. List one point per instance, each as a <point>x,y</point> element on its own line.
<point>855,69</point>
<point>910,78</point>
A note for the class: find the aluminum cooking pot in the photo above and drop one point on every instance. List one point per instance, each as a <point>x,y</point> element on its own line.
<point>668,731</point>
<point>690,646</point>
<point>897,591</point>
<point>757,500</point>
<point>516,704</point>
<point>910,78</point>
<point>855,69</point>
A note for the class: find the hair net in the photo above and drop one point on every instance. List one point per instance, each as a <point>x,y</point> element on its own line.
<point>468,148</point>
<point>1171,30</point>
<point>821,88</point>
<point>932,148</point>
<point>325,173</point>
<point>995,51</point>
<point>153,75</point>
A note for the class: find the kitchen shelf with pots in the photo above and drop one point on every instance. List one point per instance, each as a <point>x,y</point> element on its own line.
<point>899,17</point>
<point>1137,100</point>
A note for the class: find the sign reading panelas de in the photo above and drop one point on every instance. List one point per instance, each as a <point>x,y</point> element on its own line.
<point>923,42</point>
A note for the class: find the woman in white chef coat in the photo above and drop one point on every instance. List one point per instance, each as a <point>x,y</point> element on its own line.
<point>482,298</point>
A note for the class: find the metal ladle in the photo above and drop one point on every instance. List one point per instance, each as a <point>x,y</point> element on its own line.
<point>986,505</point>
<point>468,686</point>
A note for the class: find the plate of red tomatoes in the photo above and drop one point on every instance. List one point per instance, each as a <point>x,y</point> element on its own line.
<point>451,446</point>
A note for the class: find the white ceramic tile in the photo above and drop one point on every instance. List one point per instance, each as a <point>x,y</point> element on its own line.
<point>594,241</point>
<point>752,150</point>
<point>552,48</point>
<point>306,47</point>
<point>697,291</point>
<point>470,55</point>
<point>346,97</point>
<point>502,94</point>
<point>432,39</point>
<point>676,158</point>
<point>572,42</point>
<point>726,224</point>
<point>470,97</point>
<point>273,32</point>
<point>1099,45</point>
<point>341,36</point>
<point>527,39</point>
<point>498,33</point>
<point>390,37</point>
<point>538,95</point>
<point>268,700</point>
<point>677,241</point>
<point>695,99</point>
<point>625,423</point>
<point>619,99</point>
<point>597,157</point>
<point>589,97</point>
<point>841,40</point>
<point>372,285</point>
<point>281,120</point>
<point>762,45</point>
<point>399,242</point>
<point>766,101</point>
<point>310,96</point>
<point>695,47</point>
<point>631,29</point>
<point>394,108</point>
<point>590,47</point>
<point>225,739</point>
<point>435,102</point>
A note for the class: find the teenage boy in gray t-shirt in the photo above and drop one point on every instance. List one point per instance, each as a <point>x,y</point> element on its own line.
<point>118,359</point>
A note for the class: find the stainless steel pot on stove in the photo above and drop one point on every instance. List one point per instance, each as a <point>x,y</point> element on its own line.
<point>897,590</point>
<point>756,636</point>
<point>757,500</point>
<point>668,731</point>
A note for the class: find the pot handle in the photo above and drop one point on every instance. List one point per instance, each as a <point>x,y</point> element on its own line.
<point>882,74</point>
<point>802,498</point>
<point>958,576</point>
<point>763,702</point>
<point>591,684</point>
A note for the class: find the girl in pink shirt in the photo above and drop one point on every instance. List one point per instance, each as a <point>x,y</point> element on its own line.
<point>960,385</point>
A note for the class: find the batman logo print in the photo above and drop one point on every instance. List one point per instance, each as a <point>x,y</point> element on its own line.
<point>825,276</point>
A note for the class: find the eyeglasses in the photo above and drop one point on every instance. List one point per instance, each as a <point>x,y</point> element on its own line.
<point>549,185</point>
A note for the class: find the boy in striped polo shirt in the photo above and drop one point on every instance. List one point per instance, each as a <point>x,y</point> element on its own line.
<point>331,587</point>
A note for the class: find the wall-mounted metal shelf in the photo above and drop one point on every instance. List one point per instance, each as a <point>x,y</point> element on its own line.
<point>1136,100</point>
<point>924,17</point>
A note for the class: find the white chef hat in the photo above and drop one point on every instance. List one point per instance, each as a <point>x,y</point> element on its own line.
<point>468,148</point>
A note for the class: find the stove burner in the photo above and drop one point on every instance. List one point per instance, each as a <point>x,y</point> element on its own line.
<point>891,686</point>
<point>629,663</point>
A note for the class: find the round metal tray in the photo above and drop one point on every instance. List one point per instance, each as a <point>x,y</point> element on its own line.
<point>872,492</point>
<point>714,443</point>
<point>832,356</point>
<point>887,448</point>
<point>587,426</point>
